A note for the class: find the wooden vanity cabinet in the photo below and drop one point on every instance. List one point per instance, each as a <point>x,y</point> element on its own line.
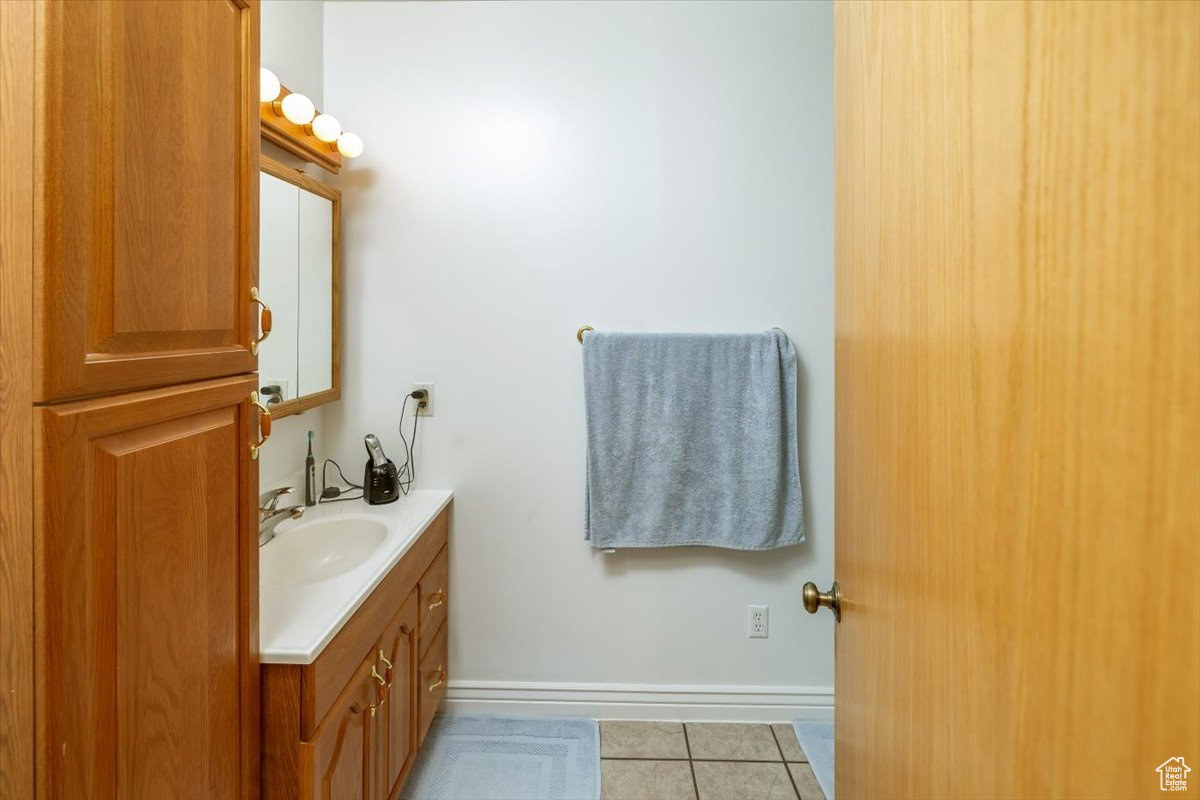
<point>349,724</point>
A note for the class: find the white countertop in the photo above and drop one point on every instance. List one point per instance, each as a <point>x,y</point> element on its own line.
<point>296,622</point>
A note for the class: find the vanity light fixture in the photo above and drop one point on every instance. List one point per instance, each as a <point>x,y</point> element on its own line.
<point>268,86</point>
<point>291,121</point>
<point>350,145</point>
<point>326,128</point>
<point>298,108</point>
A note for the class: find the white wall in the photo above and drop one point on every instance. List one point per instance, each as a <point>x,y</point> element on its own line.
<point>532,167</point>
<point>291,45</point>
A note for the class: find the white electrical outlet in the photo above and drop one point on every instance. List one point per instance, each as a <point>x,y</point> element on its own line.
<point>758,623</point>
<point>424,407</point>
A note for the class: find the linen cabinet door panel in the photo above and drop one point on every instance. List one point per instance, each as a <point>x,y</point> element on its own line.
<point>398,733</point>
<point>148,194</point>
<point>338,762</point>
<point>146,595</point>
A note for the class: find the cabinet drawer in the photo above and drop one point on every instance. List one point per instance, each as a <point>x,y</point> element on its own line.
<point>434,598</point>
<point>431,686</point>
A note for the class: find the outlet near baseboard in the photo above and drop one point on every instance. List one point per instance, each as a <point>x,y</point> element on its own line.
<point>758,623</point>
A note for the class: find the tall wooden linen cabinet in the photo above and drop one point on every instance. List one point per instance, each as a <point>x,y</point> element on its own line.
<point>128,552</point>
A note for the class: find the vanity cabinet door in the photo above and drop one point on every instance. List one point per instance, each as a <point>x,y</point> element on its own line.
<point>147,164</point>
<point>339,762</point>
<point>398,735</point>
<point>147,595</point>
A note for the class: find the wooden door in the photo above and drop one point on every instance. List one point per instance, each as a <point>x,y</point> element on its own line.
<point>338,762</point>
<point>146,595</point>
<point>398,725</point>
<point>1018,397</point>
<point>147,193</point>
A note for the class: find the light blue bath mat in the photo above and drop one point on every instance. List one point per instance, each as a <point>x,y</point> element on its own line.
<point>816,740</point>
<point>507,758</point>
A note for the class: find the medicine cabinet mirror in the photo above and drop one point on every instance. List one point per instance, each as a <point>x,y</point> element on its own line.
<point>299,266</point>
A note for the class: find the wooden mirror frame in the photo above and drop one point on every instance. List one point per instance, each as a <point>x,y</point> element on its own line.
<point>298,178</point>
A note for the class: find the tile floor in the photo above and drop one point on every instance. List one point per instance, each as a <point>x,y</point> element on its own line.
<point>703,761</point>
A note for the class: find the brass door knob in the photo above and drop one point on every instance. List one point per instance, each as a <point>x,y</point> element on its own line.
<point>814,599</point>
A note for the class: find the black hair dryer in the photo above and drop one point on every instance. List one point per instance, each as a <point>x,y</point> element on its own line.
<point>381,481</point>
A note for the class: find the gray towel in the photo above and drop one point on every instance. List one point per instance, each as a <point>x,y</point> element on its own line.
<point>692,440</point>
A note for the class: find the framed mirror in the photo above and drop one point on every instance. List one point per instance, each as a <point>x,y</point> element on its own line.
<point>299,270</point>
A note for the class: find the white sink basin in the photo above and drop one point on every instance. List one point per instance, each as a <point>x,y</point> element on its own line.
<point>316,551</point>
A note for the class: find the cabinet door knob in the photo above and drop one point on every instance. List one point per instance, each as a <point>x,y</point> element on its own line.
<point>441,678</point>
<point>264,320</point>
<point>264,425</point>
<point>440,594</point>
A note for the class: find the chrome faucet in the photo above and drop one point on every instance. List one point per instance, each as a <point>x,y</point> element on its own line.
<point>269,515</point>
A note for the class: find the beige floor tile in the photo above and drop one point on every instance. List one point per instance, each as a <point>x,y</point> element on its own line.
<point>788,743</point>
<point>806,782</point>
<point>732,741</point>
<point>742,780</point>
<point>646,780</point>
<point>621,739</point>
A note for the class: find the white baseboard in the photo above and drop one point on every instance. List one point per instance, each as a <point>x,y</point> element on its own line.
<point>634,701</point>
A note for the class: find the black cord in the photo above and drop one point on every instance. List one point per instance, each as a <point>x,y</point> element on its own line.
<point>342,475</point>
<point>325,483</point>
<point>410,462</point>
<point>340,499</point>
<point>403,469</point>
<point>412,473</point>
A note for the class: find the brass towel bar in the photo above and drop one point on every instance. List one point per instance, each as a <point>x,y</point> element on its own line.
<point>579,333</point>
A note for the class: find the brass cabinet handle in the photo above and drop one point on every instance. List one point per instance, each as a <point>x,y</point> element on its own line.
<point>388,664</point>
<point>815,599</point>
<point>375,674</point>
<point>441,678</point>
<point>376,706</point>
<point>264,320</point>
<point>264,425</point>
<point>440,594</point>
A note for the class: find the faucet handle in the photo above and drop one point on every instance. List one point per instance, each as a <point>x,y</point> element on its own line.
<point>268,500</point>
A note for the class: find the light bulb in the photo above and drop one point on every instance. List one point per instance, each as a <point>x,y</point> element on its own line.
<point>298,108</point>
<point>268,85</point>
<point>326,128</point>
<point>350,145</point>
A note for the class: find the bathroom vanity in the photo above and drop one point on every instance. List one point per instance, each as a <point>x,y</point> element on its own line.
<point>353,629</point>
